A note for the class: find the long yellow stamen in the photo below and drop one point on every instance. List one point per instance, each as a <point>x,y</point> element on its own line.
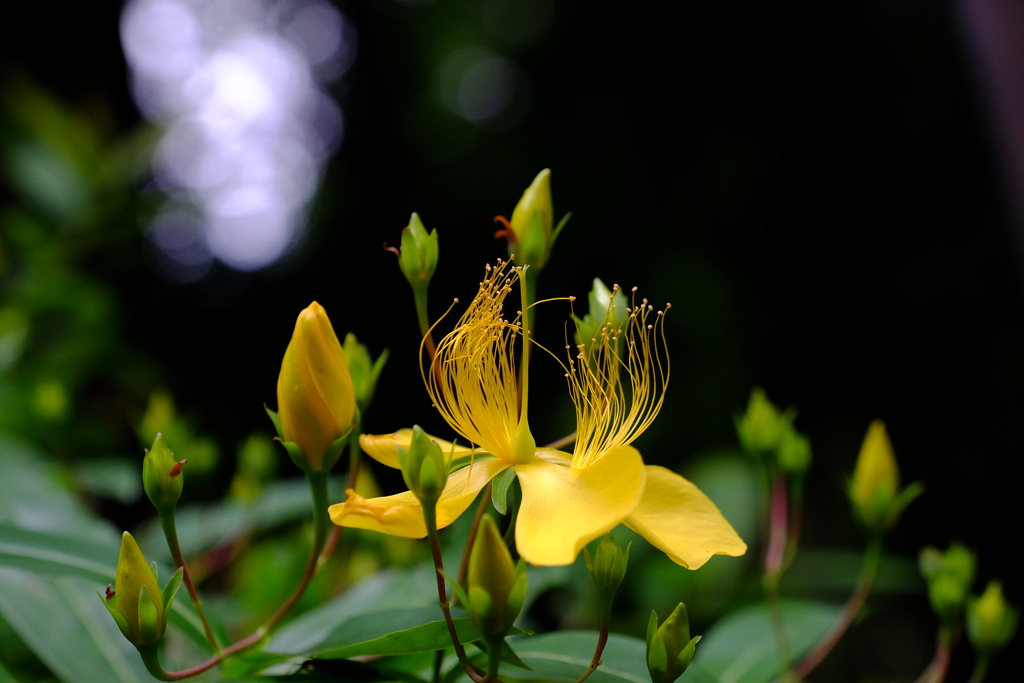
<point>607,414</point>
<point>476,388</point>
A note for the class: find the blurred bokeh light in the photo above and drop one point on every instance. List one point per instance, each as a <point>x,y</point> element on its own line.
<point>238,87</point>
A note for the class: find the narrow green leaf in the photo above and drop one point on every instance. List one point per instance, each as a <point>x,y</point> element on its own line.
<point>565,655</point>
<point>67,628</point>
<point>49,553</point>
<point>741,647</point>
<point>499,489</point>
<point>395,632</point>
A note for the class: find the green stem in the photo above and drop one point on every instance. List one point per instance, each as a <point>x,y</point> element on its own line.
<point>419,295</point>
<point>939,666</point>
<point>171,534</point>
<point>980,669</point>
<point>321,520</point>
<point>493,660</point>
<point>602,640</point>
<point>773,561</point>
<point>430,520</point>
<point>872,561</point>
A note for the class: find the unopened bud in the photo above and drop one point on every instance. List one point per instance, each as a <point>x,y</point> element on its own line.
<point>418,256</point>
<point>874,490</point>
<point>669,646</point>
<point>762,427</point>
<point>315,399</point>
<point>424,466</point>
<point>162,477</point>
<point>991,622</point>
<point>139,606</point>
<point>497,587</point>
<point>949,576</point>
<point>794,453</point>
<point>608,567</point>
<point>532,225</point>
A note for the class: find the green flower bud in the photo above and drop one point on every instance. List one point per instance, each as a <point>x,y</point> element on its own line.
<point>497,587</point>
<point>139,606</point>
<point>991,622</point>
<point>607,311</point>
<point>424,466</point>
<point>669,646</point>
<point>532,222</point>
<point>418,256</point>
<point>761,429</point>
<point>794,452</point>
<point>949,576</point>
<point>608,567</point>
<point>162,477</point>
<point>363,369</point>
<point>874,490</point>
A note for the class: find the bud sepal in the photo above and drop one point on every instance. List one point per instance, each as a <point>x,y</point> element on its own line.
<point>669,646</point>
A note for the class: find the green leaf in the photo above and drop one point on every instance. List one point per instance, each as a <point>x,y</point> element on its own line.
<point>499,489</point>
<point>741,647</point>
<point>6,676</point>
<point>394,632</point>
<point>33,496</point>
<point>389,589</point>
<point>68,629</point>
<point>47,553</point>
<point>112,478</point>
<point>565,655</point>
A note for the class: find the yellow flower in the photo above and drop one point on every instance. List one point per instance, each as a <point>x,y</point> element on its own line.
<point>567,499</point>
<point>315,398</point>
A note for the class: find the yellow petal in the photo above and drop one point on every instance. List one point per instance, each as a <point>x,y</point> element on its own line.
<point>678,519</point>
<point>384,447</point>
<point>401,514</point>
<point>564,508</point>
<point>328,365</point>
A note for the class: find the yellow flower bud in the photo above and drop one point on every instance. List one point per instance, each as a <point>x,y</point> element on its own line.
<point>140,608</point>
<point>315,398</point>
<point>875,488</point>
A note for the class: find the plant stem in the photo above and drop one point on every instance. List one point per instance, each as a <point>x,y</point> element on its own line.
<point>171,534</point>
<point>564,441</point>
<point>872,560</point>
<point>419,294</point>
<point>939,666</point>
<point>318,490</point>
<point>980,669</point>
<point>773,560</point>
<point>602,640</point>
<point>430,519</point>
<point>354,463</point>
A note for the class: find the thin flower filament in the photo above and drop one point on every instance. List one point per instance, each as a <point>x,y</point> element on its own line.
<point>476,389</point>
<point>608,413</point>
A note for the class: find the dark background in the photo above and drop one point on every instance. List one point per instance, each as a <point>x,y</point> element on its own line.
<point>816,189</point>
